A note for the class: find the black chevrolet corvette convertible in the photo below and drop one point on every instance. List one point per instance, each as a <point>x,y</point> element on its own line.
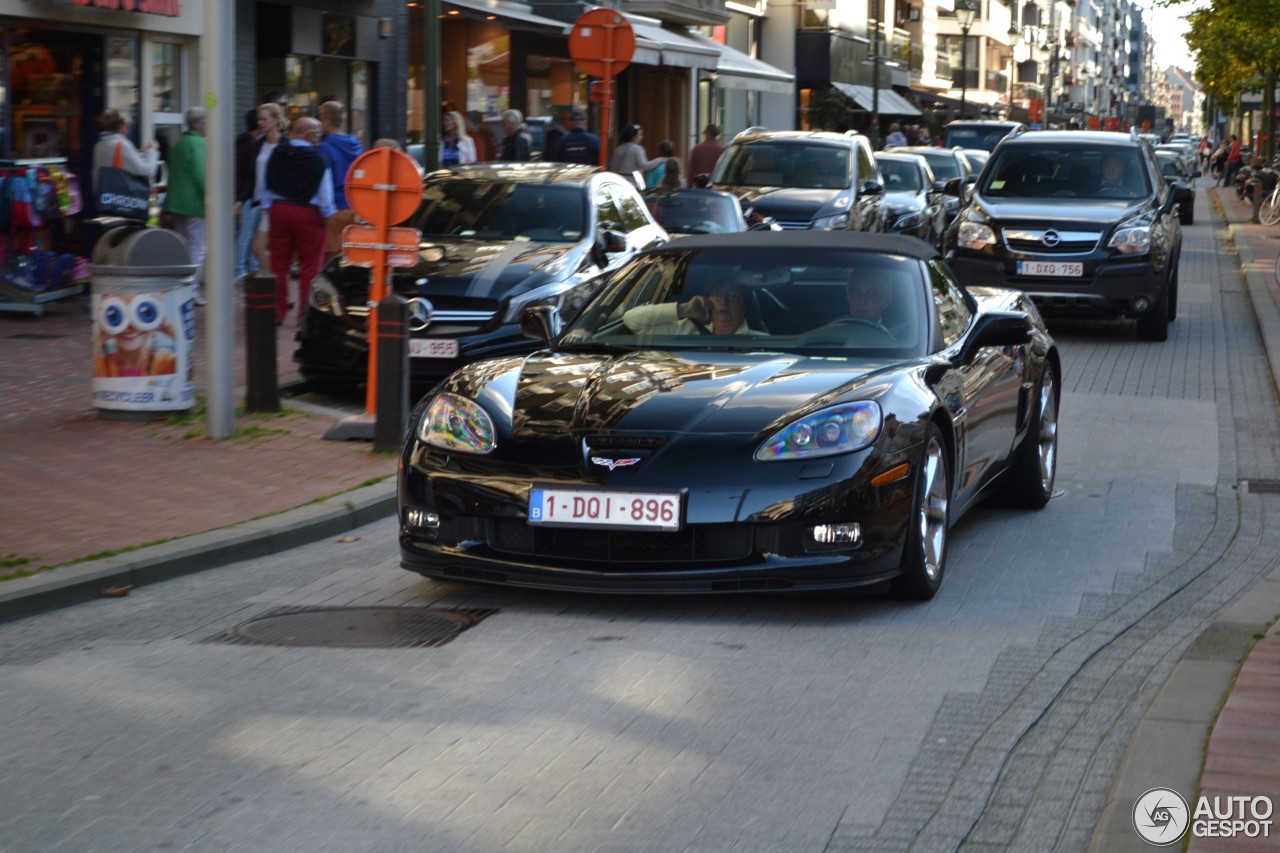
<point>756,411</point>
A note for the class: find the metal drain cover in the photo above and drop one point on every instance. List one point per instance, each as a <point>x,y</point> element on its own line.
<point>353,627</point>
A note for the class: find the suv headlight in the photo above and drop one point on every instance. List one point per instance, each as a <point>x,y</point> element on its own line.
<point>456,424</point>
<point>1132,237</point>
<point>975,236</point>
<point>831,223</point>
<point>567,296</point>
<point>907,219</point>
<point>839,429</point>
<point>325,296</point>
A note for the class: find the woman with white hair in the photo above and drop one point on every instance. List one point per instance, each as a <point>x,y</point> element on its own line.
<point>515,140</point>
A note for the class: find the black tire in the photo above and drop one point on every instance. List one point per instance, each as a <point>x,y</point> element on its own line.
<point>924,554</point>
<point>1035,461</point>
<point>1173,293</point>
<point>1154,325</point>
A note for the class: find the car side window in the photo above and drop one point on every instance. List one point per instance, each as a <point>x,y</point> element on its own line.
<point>866,165</point>
<point>607,213</point>
<point>632,211</point>
<point>954,315</point>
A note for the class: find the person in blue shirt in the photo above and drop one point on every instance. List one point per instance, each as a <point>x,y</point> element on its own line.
<point>339,151</point>
<point>577,146</point>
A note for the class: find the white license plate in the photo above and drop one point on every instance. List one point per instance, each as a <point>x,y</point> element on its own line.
<point>433,348</point>
<point>1058,269</point>
<point>587,508</point>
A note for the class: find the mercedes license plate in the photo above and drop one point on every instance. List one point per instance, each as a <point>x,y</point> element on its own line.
<point>1052,269</point>
<point>590,508</point>
<point>433,348</point>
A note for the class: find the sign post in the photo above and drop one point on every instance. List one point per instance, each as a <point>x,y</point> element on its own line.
<point>384,187</point>
<point>601,45</point>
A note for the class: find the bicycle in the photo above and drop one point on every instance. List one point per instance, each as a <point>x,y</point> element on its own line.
<point>1269,211</point>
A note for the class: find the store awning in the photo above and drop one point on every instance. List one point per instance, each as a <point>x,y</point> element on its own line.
<point>891,103</point>
<point>515,16</point>
<point>737,70</point>
<point>679,48</point>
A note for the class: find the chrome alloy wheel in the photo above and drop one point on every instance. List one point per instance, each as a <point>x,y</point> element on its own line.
<point>932,513</point>
<point>1047,442</point>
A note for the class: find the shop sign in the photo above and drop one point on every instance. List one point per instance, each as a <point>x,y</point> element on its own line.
<point>167,8</point>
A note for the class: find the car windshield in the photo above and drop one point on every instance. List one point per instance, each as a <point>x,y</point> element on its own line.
<point>900,176</point>
<point>785,164</point>
<point>944,165</point>
<point>501,210</point>
<point>827,303</point>
<point>697,212</point>
<point>984,137</point>
<point>1066,171</point>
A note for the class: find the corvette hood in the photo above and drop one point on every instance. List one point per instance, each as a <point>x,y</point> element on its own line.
<point>662,392</point>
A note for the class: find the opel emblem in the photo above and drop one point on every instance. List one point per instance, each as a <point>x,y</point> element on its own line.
<point>420,313</point>
<point>1051,238</point>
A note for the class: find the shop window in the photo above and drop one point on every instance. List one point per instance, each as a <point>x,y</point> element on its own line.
<point>44,76</point>
<point>122,74</point>
<point>166,77</point>
<point>309,79</point>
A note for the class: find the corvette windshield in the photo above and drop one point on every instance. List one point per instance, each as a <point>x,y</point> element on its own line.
<point>501,210</point>
<point>836,303</point>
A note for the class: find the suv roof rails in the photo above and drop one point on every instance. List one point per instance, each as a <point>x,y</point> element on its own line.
<point>750,130</point>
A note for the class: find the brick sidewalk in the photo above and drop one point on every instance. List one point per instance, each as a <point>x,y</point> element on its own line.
<point>76,484</point>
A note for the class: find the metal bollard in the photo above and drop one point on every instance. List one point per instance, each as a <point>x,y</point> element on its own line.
<point>262,387</point>
<point>393,373</point>
<point>1257,202</point>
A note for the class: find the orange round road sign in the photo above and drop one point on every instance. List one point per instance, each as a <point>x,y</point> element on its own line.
<point>384,186</point>
<point>602,42</point>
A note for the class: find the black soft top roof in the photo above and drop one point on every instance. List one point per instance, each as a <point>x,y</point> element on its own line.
<point>802,241</point>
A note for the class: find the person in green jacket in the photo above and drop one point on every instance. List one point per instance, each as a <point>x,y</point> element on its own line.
<point>184,200</point>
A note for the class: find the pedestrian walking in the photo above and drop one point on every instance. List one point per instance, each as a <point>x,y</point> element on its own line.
<point>113,142</point>
<point>456,146</point>
<point>629,158</point>
<point>556,134</point>
<point>1233,161</point>
<point>184,200</point>
<point>654,177</point>
<point>299,200</point>
<point>896,137</point>
<point>482,136</point>
<point>246,146</point>
<point>579,145</point>
<point>515,141</point>
<point>703,157</point>
<point>253,236</point>
<point>339,151</point>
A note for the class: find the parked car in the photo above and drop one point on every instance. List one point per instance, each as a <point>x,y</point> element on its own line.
<point>914,200</point>
<point>947,164</point>
<point>496,238</point>
<point>1175,171</point>
<point>1041,220</point>
<point>691,210</point>
<point>966,133</point>
<point>804,179</point>
<point>977,158</point>
<point>1190,158</point>
<point>812,448</point>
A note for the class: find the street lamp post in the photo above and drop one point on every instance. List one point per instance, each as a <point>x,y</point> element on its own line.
<point>965,12</point>
<point>1015,36</point>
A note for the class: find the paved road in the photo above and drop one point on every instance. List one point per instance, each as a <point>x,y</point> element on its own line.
<point>994,717</point>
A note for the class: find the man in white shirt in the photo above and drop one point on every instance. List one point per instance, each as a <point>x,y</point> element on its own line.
<point>721,312</point>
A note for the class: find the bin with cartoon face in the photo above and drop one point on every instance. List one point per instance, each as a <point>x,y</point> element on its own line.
<point>143,323</point>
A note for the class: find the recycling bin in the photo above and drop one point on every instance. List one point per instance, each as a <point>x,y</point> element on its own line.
<point>142,283</point>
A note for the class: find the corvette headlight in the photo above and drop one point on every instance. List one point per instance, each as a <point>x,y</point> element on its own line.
<point>1132,237</point>
<point>839,429</point>
<point>831,223</point>
<point>456,424</point>
<point>975,236</point>
<point>325,296</point>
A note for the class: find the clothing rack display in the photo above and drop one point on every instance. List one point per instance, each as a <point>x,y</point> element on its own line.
<point>36,198</point>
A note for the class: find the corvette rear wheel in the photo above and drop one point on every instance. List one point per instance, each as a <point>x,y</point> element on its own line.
<point>1035,462</point>
<point>925,554</point>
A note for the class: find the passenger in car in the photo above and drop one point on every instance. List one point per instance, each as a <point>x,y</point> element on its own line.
<point>722,311</point>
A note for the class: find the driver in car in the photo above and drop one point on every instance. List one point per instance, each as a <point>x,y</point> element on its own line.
<point>720,312</point>
<point>868,296</point>
<point>1114,176</point>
